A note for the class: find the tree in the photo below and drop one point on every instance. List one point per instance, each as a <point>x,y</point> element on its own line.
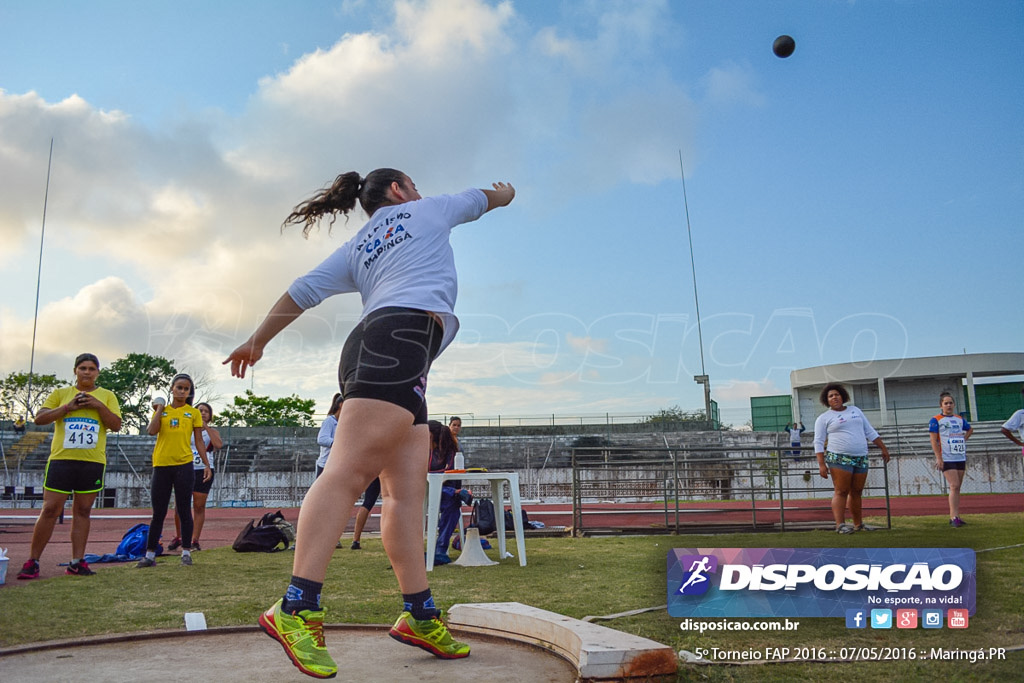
<point>262,411</point>
<point>206,387</point>
<point>675,414</point>
<point>135,379</point>
<point>14,393</point>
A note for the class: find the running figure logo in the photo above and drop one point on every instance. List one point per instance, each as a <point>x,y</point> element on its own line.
<point>696,581</point>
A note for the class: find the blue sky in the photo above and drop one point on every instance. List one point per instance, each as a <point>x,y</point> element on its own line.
<point>861,199</point>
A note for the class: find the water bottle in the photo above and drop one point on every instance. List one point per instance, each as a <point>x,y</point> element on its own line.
<point>460,461</point>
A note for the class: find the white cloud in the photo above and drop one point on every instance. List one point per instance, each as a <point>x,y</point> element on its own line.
<point>104,318</point>
<point>732,84</point>
<point>584,344</point>
<point>181,224</point>
<point>487,361</point>
<point>632,136</point>
<point>736,390</point>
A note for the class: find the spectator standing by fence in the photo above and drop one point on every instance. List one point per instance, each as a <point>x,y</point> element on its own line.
<point>795,429</point>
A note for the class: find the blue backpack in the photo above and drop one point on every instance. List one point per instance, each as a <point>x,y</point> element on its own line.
<point>133,543</point>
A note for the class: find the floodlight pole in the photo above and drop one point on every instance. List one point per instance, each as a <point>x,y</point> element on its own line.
<point>702,378</point>
<point>39,279</point>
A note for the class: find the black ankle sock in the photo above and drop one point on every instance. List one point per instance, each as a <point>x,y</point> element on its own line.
<point>420,605</point>
<point>302,594</point>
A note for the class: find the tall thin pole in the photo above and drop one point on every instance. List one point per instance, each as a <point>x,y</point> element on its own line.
<point>39,279</point>
<point>693,268</point>
<point>702,378</point>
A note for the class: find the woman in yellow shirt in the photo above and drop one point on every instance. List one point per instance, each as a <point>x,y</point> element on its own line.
<point>82,413</point>
<point>174,426</point>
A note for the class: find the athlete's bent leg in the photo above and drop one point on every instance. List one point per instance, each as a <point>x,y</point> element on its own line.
<point>370,432</point>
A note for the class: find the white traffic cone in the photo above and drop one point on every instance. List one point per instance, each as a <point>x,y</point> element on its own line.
<point>472,553</point>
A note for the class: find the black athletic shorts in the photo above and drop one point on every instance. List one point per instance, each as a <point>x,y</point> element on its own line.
<point>371,494</point>
<point>73,476</point>
<point>387,357</point>
<point>203,486</point>
<point>962,465</point>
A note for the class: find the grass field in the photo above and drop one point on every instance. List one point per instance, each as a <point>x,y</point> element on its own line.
<point>575,577</point>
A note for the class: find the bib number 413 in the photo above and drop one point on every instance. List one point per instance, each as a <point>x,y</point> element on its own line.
<point>81,432</point>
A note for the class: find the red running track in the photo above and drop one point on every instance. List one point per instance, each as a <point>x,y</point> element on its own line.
<point>223,524</point>
<point>708,516</point>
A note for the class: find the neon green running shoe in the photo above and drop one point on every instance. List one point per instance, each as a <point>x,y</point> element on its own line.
<point>431,635</point>
<point>302,637</point>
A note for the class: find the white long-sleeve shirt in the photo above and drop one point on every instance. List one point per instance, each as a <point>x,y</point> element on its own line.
<point>847,431</point>
<point>401,257</point>
<point>325,439</point>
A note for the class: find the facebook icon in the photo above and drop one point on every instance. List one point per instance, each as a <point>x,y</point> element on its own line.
<point>856,618</point>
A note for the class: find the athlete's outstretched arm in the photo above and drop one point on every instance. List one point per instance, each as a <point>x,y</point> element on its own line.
<point>279,317</point>
<point>501,195</point>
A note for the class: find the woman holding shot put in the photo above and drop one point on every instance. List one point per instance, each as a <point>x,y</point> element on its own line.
<point>403,266</point>
<point>176,426</point>
<point>203,483</point>
<point>83,413</point>
<point>841,436</point>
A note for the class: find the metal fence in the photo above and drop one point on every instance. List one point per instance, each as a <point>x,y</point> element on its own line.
<point>680,491</point>
<point>680,486</point>
<point>552,419</point>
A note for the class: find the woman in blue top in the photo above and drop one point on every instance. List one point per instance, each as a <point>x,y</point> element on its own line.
<point>841,436</point>
<point>325,437</point>
<point>403,266</point>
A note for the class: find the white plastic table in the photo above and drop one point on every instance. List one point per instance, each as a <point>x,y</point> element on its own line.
<point>432,505</point>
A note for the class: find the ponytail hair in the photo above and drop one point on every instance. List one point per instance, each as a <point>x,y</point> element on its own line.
<point>335,403</point>
<point>341,197</point>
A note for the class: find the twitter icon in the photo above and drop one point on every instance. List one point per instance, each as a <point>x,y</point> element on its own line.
<point>881,618</point>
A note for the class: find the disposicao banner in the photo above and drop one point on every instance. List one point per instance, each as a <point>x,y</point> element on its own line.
<point>817,582</point>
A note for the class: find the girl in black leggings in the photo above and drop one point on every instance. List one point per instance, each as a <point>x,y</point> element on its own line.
<point>174,426</point>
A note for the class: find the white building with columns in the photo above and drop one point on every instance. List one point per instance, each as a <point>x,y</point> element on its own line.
<point>904,390</point>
